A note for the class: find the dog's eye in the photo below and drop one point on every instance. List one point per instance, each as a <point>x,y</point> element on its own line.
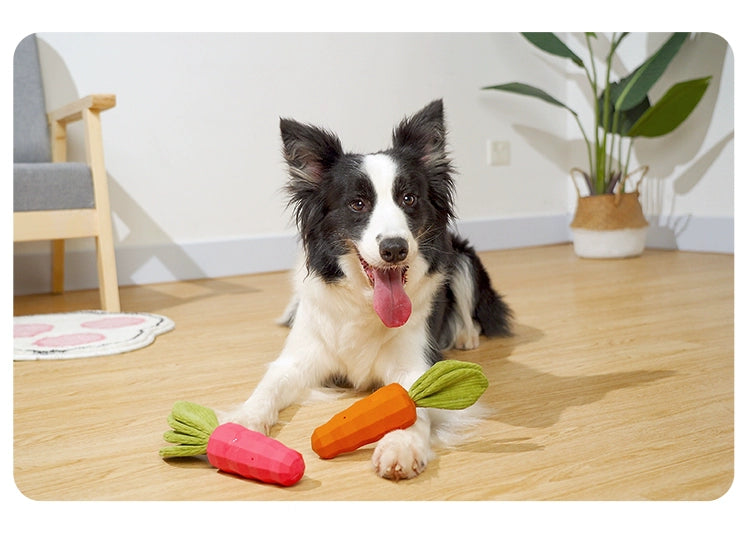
<point>409,200</point>
<point>358,205</point>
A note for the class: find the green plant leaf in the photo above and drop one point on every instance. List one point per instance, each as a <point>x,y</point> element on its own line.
<point>531,91</point>
<point>550,43</point>
<point>671,110</point>
<point>631,91</point>
<point>626,119</point>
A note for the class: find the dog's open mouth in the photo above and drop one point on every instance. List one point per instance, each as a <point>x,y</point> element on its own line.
<point>389,300</point>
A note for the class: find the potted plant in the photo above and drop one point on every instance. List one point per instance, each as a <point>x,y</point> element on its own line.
<point>609,221</point>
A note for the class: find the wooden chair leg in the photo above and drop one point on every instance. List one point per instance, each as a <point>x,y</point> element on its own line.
<point>105,248</point>
<point>58,266</point>
<point>109,292</point>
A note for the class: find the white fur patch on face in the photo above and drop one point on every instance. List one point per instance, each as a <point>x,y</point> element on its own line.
<point>387,219</point>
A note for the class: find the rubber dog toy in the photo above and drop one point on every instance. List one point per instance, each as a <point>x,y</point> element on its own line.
<point>448,384</point>
<point>230,447</point>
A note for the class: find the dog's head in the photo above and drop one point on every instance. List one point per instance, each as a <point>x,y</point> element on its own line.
<point>387,208</point>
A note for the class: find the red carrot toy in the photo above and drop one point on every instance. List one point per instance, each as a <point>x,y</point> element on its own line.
<point>230,447</point>
<point>448,384</point>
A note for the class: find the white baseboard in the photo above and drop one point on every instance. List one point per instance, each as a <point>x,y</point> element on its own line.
<point>688,233</point>
<point>692,234</point>
<point>140,265</point>
<point>515,232</point>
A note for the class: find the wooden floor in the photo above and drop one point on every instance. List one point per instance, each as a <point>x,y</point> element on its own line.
<point>618,385</point>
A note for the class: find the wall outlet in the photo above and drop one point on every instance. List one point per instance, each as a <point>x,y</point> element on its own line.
<point>498,152</point>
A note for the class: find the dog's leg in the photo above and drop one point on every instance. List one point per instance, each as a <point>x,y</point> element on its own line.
<point>404,453</point>
<point>281,386</point>
<point>478,309</point>
<point>288,379</point>
<point>290,313</point>
<point>467,329</point>
<point>287,319</point>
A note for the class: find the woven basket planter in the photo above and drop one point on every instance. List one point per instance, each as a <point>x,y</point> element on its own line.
<point>609,225</point>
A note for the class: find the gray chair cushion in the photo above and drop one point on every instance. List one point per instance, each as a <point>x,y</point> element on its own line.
<point>52,186</point>
<point>37,183</point>
<point>31,142</point>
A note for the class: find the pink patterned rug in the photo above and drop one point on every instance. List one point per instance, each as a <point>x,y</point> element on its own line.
<point>84,334</point>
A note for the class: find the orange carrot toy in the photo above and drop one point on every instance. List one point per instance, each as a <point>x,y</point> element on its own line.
<point>448,384</point>
<point>230,447</point>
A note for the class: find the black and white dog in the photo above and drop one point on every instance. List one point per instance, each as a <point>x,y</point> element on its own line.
<point>385,285</point>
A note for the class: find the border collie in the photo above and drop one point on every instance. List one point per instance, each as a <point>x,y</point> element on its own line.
<point>385,285</point>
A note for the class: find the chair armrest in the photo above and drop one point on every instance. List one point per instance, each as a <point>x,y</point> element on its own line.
<point>74,111</point>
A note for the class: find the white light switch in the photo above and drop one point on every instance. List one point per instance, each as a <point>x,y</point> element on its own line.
<point>498,152</point>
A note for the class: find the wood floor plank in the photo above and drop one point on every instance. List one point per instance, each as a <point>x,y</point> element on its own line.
<point>618,385</point>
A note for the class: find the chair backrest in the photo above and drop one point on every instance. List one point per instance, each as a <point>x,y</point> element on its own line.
<point>31,143</point>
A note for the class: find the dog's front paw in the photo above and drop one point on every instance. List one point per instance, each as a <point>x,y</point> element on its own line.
<point>468,336</point>
<point>249,418</point>
<point>401,454</point>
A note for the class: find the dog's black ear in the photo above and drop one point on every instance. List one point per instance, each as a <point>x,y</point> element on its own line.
<point>423,131</point>
<point>423,136</point>
<point>308,150</point>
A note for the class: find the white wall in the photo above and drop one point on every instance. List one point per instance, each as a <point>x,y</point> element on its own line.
<point>194,159</point>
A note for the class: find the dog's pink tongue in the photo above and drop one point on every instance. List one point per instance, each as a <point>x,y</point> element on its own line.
<point>390,301</point>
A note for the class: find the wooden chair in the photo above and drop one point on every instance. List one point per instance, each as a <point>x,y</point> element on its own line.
<point>54,199</point>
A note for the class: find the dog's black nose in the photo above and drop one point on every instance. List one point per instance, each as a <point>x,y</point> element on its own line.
<point>394,249</point>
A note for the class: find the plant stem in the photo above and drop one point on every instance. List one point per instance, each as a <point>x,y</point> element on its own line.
<point>627,160</point>
<point>586,139</point>
<point>603,170</point>
<point>610,166</point>
<point>615,125</point>
<point>592,78</point>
